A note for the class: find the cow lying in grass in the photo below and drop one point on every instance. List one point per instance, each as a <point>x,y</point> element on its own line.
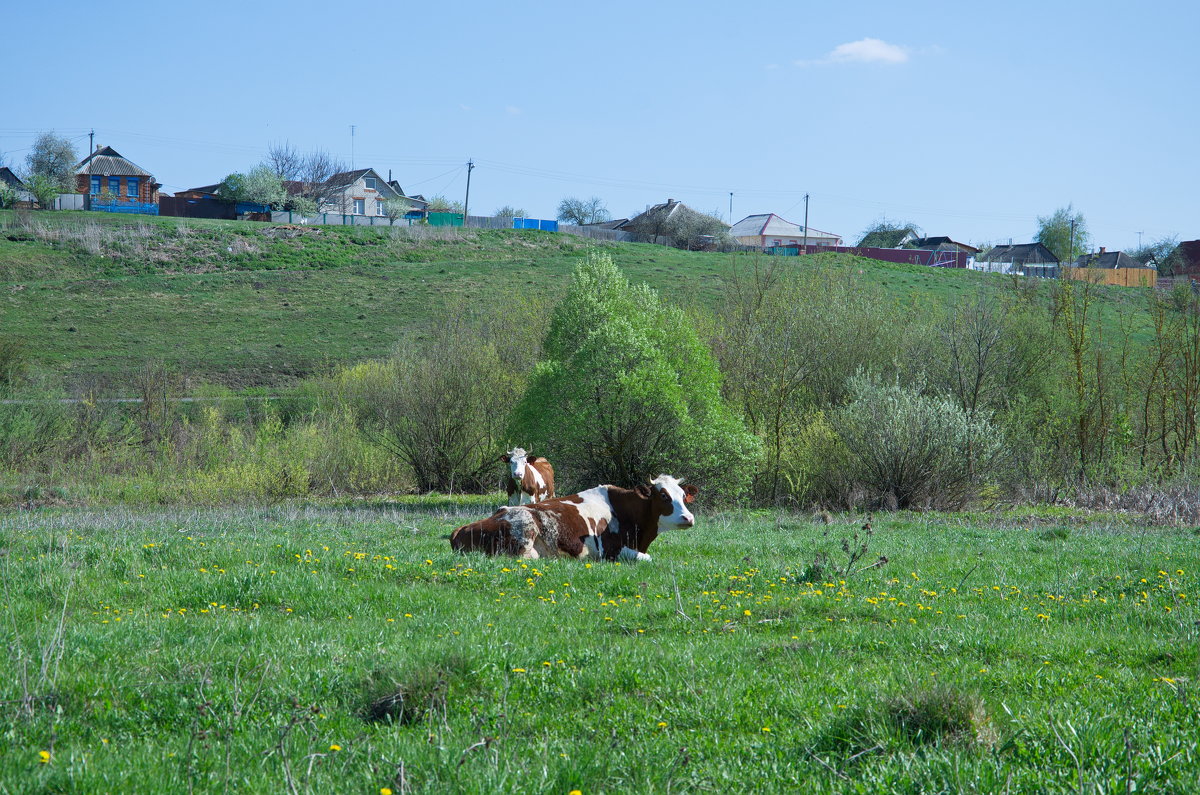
<point>606,522</point>
<point>530,477</point>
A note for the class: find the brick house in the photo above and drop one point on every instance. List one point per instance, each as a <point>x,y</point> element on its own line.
<point>106,177</point>
<point>363,192</point>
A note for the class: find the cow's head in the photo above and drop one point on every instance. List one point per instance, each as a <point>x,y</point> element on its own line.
<point>516,459</point>
<point>669,499</point>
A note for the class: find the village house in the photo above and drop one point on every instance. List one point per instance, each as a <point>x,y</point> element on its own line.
<point>1028,259</point>
<point>364,192</point>
<point>13,181</point>
<point>110,181</point>
<point>768,229</point>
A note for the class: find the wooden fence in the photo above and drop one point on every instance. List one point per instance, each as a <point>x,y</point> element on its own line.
<point>1119,277</point>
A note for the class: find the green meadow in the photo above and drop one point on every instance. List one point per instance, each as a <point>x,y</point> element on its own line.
<point>342,647</point>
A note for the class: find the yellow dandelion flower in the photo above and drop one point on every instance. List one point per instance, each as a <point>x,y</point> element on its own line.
<point>335,747</point>
<point>385,791</point>
<point>766,729</point>
<point>518,670</point>
<point>44,757</point>
<point>575,792</point>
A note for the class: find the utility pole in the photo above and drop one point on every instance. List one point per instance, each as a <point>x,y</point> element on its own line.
<point>352,126</point>
<point>806,223</point>
<point>1071,249</point>
<point>731,208</point>
<point>92,146</point>
<point>1139,239</point>
<point>467,200</point>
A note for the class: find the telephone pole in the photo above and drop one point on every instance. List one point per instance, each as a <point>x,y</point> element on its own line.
<point>92,146</point>
<point>806,223</point>
<point>730,208</point>
<point>1071,248</point>
<point>352,126</point>
<point>467,200</point>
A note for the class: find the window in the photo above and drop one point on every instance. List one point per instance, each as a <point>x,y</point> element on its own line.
<point>114,186</point>
<point>370,182</point>
<point>131,187</point>
<point>379,208</point>
<point>95,185</point>
<point>360,207</point>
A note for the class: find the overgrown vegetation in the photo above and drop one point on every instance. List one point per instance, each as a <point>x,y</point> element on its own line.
<point>814,382</point>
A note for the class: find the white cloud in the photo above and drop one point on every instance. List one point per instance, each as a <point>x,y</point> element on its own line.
<point>866,50</point>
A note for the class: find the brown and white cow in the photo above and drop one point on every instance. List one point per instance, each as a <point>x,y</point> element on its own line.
<point>530,477</point>
<point>605,522</point>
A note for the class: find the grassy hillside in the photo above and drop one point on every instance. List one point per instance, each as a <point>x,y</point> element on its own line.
<point>96,295</point>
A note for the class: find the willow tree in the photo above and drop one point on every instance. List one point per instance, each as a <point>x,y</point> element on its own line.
<point>627,390</point>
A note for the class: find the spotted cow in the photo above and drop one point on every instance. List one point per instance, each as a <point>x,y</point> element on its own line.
<point>605,522</point>
<point>530,477</point>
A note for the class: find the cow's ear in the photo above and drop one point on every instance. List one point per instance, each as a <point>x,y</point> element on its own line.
<point>533,459</point>
<point>506,458</point>
<point>643,491</point>
<point>689,493</point>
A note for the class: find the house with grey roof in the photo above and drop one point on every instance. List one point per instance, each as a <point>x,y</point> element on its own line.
<point>889,238</point>
<point>768,229</point>
<point>112,181</point>
<point>1026,259</point>
<point>363,192</point>
<point>686,227</point>
<point>13,181</point>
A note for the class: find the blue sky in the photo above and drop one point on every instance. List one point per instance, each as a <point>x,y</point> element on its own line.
<point>969,119</point>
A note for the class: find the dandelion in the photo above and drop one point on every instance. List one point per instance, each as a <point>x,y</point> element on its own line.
<point>746,613</point>
<point>575,792</point>
<point>518,670</point>
<point>335,747</point>
<point>766,729</point>
<point>662,724</point>
<point>44,757</point>
<point>385,791</point>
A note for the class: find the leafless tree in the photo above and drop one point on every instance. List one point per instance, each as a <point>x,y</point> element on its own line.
<point>285,160</point>
<point>318,175</point>
<point>582,211</point>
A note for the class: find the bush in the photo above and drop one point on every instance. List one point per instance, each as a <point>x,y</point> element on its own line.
<point>628,391</point>
<point>906,449</point>
<point>440,406</point>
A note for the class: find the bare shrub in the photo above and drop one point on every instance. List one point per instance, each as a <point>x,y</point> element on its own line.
<point>439,405</point>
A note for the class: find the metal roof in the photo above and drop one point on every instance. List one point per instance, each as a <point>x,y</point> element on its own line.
<point>109,162</point>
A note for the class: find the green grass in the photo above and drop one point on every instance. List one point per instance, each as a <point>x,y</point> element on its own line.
<point>232,649</point>
<point>95,296</point>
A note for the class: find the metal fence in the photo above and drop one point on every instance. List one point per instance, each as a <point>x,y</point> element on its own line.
<point>69,201</point>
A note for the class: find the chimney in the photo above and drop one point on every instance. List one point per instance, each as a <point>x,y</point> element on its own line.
<point>1103,249</point>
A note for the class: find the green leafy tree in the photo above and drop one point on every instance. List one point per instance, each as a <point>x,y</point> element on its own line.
<point>628,391</point>
<point>440,204</point>
<point>8,195</point>
<point>260,185</point>
<point>395,209</point>
<point>1065,233</point>
<point>53,158</point>
<point>44,189</point>
<point>508,212</point>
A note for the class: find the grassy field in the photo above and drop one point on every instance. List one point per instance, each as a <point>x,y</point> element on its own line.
<point>95,296</point>
<point>344,648</point>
